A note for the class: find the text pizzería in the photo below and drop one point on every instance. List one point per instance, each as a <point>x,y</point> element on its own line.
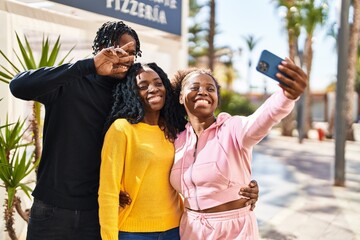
<point>142,10</point>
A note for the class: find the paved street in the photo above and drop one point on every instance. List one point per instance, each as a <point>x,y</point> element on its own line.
<point>297,196</point>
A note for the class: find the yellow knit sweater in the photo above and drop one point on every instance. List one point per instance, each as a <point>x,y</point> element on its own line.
<point>137,158</point>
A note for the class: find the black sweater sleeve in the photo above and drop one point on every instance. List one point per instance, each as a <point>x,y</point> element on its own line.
<point>32,84</point>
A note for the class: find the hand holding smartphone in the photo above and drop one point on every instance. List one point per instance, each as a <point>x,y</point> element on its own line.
<point>268,65</point>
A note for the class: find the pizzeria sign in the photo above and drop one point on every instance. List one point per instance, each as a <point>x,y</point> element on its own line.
<point>164,15</point>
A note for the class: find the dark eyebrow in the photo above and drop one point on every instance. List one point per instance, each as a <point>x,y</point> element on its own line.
<point>197,83</point>
<point>208,84</point>
<point>141,80</point>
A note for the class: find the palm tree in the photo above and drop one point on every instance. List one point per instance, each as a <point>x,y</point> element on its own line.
<point>333,33</point>
<point>224,69</point>
<point>312,16</point>
<point>251,42</point>
<point>357,81</point>
<point>202,50</point>
<point>196,44</point>
<point>292,26</point>
<point>351,71</point>
<point>197,34</point>
<point>211,35</point>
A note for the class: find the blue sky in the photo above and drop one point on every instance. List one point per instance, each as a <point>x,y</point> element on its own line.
<point>261,18</point>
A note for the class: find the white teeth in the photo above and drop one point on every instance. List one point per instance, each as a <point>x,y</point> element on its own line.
<point>155,98</point>
<point>202,101</point>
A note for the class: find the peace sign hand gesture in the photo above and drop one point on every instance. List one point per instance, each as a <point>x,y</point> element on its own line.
<point>112,61</point>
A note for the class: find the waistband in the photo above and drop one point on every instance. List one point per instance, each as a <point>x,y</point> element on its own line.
<point>213,199</point>
<point>47,205</point>
<point>231,214</point>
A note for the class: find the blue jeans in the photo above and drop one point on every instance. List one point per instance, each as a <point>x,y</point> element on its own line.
<point>53,223</point>
<point>172,234</point>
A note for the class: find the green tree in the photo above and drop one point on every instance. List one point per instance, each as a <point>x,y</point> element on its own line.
<point>202,50</point>
<point>332,33</point>
<point>202,34</point>
<point>211,34</point>
<point>224,69</point>
<point>292,25</point>
<point>352,68</point>
<point>302,14</point>
<point>357,80</point>
<point>251,42</point>
<point>196,34</point>
<point>312,15</point>
<point>235,104</point>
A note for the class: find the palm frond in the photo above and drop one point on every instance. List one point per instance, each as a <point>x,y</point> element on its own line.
<point>54,53</point>
<point>30,52</point>
<point>7,72</point>
<point>44,52</point>
<point>26,58</point>
<point>10,62</point>
<point>20,60</point>
<point>67,54</point>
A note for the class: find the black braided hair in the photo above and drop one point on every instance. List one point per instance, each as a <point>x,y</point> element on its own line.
<point>127,103</point>
<point>109,33</point>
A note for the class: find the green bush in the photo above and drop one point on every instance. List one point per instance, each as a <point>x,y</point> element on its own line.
<point>235,104</point>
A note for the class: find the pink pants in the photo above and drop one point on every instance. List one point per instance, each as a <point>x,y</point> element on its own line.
<point>239,224</point>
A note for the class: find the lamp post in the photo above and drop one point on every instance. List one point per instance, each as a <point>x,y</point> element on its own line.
<point>301,103</point>
<point>340,119</point>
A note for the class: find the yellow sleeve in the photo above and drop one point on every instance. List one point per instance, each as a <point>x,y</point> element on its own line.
<point>111,172</point>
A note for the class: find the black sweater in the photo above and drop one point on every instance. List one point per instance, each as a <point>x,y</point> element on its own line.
<point>77,102</point>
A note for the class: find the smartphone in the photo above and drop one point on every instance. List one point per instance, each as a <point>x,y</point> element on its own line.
<point>268,64</point>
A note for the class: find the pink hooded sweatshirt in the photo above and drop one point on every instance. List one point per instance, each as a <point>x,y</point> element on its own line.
<point>209,171</point>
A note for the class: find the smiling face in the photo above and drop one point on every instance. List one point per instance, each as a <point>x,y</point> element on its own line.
<point>199,95</point>
<point>124,39</point>
<point>152,92</point>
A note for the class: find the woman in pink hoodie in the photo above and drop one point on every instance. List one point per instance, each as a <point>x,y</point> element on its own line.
<point>213,154</point>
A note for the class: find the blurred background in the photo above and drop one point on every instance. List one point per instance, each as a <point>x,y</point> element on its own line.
<point>227,37</point>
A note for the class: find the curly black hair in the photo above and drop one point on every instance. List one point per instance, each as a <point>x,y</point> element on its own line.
<point>109,33</point>
<point>127,103</point>
<point>180,78</point>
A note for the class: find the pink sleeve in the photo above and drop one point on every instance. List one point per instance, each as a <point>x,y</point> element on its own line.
<point>256,126</point>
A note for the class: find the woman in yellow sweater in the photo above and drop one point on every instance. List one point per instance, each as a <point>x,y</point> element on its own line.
<point>137,156</point>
